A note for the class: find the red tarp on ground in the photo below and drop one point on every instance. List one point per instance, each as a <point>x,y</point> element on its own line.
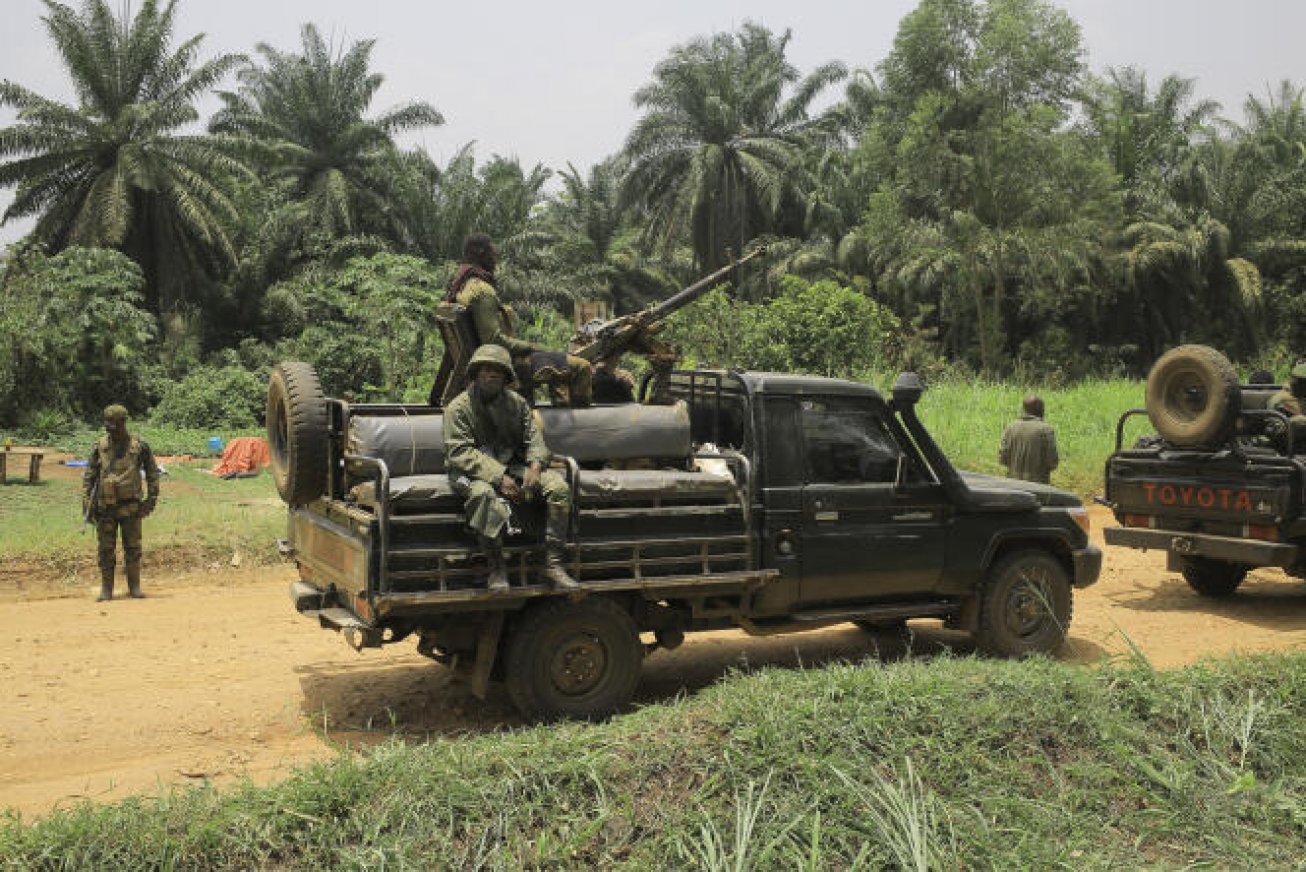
<point>244,454</point>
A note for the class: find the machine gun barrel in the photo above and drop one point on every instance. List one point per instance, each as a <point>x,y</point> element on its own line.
<point>610,337</point>
<point>683,298</point>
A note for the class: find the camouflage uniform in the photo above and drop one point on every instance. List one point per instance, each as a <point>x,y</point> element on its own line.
<point>1029,449</point>
<point>483,442</point>
<point>569,377</point>
<point>1288,399</point>
<point>1285,402</point>
<point>112,497</point>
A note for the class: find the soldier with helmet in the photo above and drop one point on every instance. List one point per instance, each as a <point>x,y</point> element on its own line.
<point>496,457</point>
<point>115,498</point>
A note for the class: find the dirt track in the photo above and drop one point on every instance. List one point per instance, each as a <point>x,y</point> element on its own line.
<point>214,675</point>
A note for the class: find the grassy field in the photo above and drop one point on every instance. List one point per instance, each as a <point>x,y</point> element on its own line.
<point>967,420</point>
<point>201,519</point>
<point>942,763</point>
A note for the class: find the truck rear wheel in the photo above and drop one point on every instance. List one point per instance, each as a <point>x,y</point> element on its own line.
<point>1193,397</point>
<point>573,659</point>
<point>1025,605</point>
<point>297,432</point>
<point>1213,578</point>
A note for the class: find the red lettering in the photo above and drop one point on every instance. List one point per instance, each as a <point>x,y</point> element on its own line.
<point>1167,495</point>
<point>1243,503</point>
<point>1148,488</point>
<point>1206,498</point>
<point>1224,498</point>
<point>1187,494</point>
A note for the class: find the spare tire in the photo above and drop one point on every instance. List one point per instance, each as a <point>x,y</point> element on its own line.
<point>1193,396</point>
<point>297,432</point>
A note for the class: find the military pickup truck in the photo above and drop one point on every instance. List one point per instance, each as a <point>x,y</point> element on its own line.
<point>1218,487</point>
<point>772,503</point>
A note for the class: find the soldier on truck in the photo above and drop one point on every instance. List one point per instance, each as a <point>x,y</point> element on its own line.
<point>496,458</point>
<point>474,287</point>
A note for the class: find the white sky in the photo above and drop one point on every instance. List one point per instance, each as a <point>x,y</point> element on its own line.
<point>552,82</point>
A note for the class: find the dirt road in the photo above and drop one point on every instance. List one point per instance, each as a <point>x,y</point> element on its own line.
<point>213,676</point>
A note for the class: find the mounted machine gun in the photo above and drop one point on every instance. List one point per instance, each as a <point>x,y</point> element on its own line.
<point>603,343</point>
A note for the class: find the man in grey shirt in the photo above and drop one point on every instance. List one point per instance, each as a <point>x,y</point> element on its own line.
<point>1029,445</point>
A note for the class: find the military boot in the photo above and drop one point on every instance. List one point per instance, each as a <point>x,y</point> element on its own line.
<point>106,585</point>
<point>554,572</point>
<point>497,579</point>
<point>134,581</point>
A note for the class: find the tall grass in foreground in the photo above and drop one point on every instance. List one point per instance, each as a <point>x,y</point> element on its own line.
<point>951,763</point>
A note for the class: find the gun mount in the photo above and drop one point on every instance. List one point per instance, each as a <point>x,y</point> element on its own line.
<point>605,342</point>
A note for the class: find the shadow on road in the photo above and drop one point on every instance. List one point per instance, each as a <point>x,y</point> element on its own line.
<point>1268,598</point>
<point>369,703</point>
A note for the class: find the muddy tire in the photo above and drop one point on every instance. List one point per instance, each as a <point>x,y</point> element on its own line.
<point>1213,578</point>
<point>1025,605</point>
<point>297,432</point>
<point>1193,396</point>
<point>573,660</point>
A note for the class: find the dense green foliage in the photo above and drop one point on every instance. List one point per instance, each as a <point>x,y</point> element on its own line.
<point>976,197</point>
<point>941,763</point>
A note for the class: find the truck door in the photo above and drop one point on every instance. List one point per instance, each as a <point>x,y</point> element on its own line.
<point>862,537</point>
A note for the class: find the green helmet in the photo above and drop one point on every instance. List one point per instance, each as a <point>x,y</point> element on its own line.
<point>116,412</point>
<point>1299,371</point>
<point>491,354</point>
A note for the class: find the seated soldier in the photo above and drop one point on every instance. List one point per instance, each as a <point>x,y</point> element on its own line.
<point>568,377</point>
<point>1288,401</point>
<point>496,456</point>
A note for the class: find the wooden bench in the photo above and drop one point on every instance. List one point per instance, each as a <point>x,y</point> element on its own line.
<point>33,463</point>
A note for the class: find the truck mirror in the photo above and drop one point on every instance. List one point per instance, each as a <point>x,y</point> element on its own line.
<point>907,390</point>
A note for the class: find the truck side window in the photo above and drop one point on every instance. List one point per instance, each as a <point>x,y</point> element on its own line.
<point>784,455</point>
<point>847,441</point>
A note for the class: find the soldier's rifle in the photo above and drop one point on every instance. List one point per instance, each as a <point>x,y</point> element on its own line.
<point>635,333</point>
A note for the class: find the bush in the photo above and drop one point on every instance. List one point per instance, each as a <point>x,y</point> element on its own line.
<point>214,397</point>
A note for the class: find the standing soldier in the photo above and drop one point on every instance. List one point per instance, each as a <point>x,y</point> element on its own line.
<point>568,377</point>
<point>112,498</point>
<point>496,456</point>
<point>1029,445</point>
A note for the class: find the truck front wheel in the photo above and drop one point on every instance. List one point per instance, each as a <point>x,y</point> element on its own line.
<point>573,659</point>
<point>1213,577</point>
<point>1025,605</point>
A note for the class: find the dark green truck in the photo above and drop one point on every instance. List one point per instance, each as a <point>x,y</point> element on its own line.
<point>1219,486</point>
<point>773,503</point>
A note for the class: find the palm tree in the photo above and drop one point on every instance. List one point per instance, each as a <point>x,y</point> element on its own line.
<point>113,171</point>
<point>1190,288</point>
<point>1147,135</point>
<point>593,248</point>
<point>718,154</point>
<point>336,172</point>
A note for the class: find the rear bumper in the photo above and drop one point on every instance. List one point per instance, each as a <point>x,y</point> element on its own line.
<point>1178,545</point>
<point>1088,565</point>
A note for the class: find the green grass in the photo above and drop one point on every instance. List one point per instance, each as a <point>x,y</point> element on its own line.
<point>967,420</point>
<point>200,519</point>
<point>945,763</point>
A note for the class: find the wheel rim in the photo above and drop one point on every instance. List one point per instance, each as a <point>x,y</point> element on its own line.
<point>1029,603</point>
<point>1186,396</point>
<point>579,665</point>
